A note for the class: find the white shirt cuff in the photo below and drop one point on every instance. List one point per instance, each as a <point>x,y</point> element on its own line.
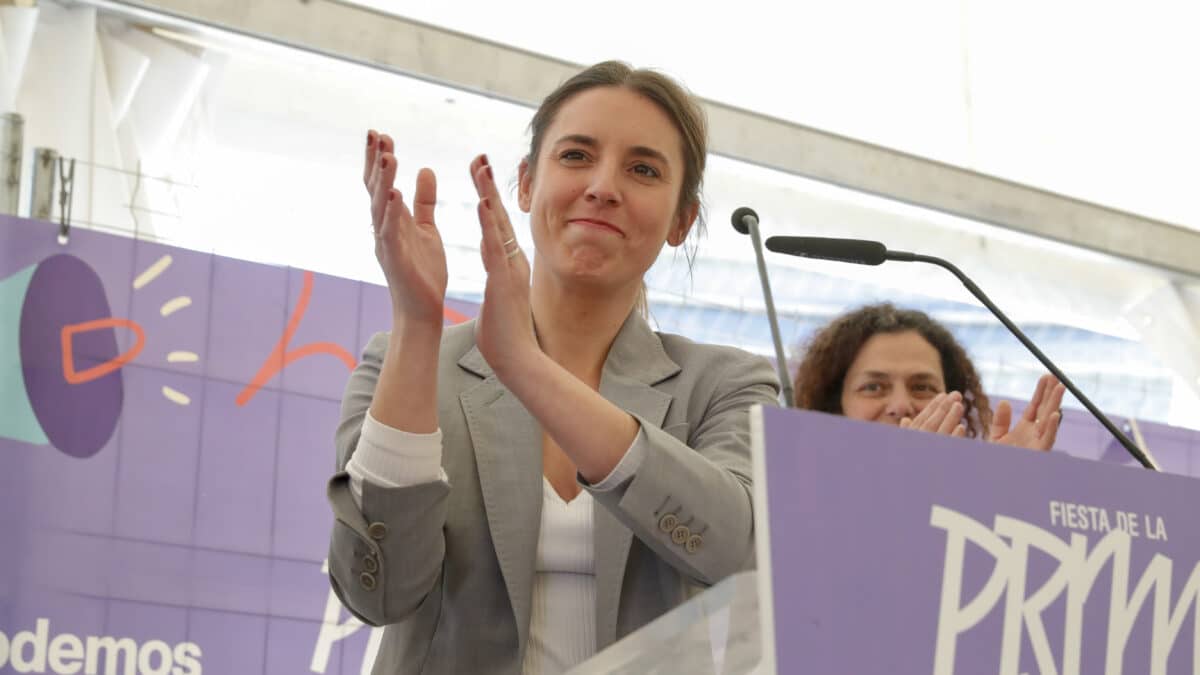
<point>388,457</point>
<point>629,464</point>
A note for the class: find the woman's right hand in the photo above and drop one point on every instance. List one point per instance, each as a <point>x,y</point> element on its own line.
<point>943,415</point>
<point>407,244</point>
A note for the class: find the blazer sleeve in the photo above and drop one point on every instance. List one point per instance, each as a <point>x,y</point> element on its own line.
<point>385,559</point>
<point>703,485</point>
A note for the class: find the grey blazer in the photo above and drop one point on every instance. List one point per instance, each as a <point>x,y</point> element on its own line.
<point>448,567</point>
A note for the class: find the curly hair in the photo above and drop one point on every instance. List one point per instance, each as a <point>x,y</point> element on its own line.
<point>832,349</point>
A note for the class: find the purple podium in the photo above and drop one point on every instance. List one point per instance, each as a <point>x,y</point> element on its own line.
<point>882,550</point>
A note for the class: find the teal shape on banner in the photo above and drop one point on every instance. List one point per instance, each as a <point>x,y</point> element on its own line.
<point>17,419</point>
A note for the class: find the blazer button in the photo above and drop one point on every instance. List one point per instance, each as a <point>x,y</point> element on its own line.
<point>377,531</point>
<point>370,564</point>
<point>680,534</point>
<point>668,522</point>
<point>694,543</point>
<point>367,580</point>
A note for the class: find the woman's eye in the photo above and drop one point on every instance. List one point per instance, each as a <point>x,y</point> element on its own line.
<point>871,387</point>
<point>646,170</point>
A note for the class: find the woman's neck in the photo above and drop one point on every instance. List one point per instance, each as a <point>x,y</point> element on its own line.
<point>577,326</point>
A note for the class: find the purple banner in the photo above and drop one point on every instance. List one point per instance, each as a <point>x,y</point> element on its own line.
<point>902,552</point>
<point>166,428</point>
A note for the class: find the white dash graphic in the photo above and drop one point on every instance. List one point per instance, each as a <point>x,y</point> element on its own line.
<point>174,305</point>
<point>183,357</point>
<point>152,272</point>
<point>175,396</point>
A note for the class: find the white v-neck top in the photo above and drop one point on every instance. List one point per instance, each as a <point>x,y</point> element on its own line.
<point>562,623</point>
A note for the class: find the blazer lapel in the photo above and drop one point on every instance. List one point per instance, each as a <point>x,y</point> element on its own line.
<point>508,454</point>
<point>636,362</point>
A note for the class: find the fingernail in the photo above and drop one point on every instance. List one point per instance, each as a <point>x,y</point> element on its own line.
<point>487,203</point>
<point>383,162</point>
<point>485,159</point>
<point>370,139</point>
<point>489,173</point>
<point>392,196</point>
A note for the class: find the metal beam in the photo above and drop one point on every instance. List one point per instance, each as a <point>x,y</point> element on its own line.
<point>367,37</point>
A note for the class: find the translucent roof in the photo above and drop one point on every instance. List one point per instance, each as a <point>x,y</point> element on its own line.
<point>1096,92</point>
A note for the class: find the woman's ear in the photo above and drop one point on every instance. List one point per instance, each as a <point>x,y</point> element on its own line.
<point>524,185</point>
<point>684,221</point>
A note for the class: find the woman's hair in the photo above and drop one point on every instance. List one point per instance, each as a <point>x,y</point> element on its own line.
<point>832,350</point>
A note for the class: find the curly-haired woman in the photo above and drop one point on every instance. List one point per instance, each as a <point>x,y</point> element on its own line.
<point>897,366</point>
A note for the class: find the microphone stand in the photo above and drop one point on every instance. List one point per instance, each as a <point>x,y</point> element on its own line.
<point>745,220</point>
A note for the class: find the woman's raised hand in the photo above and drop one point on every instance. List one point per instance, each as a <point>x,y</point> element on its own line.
<point>504,329</point>
<point>1037,428</point>
<point>943,415</point>
<point>407,244</point>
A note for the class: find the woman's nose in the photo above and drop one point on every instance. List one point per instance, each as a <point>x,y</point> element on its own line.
<point>900,405</point>
<point>603,186</point>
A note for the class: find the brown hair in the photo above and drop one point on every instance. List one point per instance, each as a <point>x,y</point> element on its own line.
<point>671,97</point>
<point>833,348</point>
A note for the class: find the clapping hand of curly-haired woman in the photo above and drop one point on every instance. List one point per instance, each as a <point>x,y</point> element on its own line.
<point>1037,427</point>
<point>943,415</point>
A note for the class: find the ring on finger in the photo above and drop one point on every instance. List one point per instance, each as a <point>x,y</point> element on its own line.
<point>513,253</point>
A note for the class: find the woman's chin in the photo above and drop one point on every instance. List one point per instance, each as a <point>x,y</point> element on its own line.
<point>591,278</point>
<point>588,264</point>
<point>593,268</point>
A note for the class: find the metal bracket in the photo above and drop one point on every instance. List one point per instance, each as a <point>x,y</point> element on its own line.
<point>65,198</point>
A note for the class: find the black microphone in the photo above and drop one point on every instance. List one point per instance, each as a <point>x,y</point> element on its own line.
<point>745,220</point>
<point>865,252</point>
<point>858,251</point>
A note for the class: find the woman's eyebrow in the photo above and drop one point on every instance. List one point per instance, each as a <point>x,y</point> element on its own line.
<point>927,376</point>
<point>651,153</point>
<point>581,139</point>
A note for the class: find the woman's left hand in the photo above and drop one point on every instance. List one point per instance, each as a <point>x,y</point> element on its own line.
<point>504,328</point>
<point>1037,428</point>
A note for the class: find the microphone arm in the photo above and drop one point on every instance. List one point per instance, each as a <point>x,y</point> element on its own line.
<point>874,253</point>
<point>745,220</point>
<point>1130,446</point>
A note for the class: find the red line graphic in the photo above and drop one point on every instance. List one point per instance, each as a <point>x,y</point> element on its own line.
<point>280,358</point>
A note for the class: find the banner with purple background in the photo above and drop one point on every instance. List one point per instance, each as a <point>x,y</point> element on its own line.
<point>888,551</point>
<point>166,427</point>
<point>166,424</point>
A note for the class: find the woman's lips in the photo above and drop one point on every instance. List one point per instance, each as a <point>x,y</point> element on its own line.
<point>599,224</point>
